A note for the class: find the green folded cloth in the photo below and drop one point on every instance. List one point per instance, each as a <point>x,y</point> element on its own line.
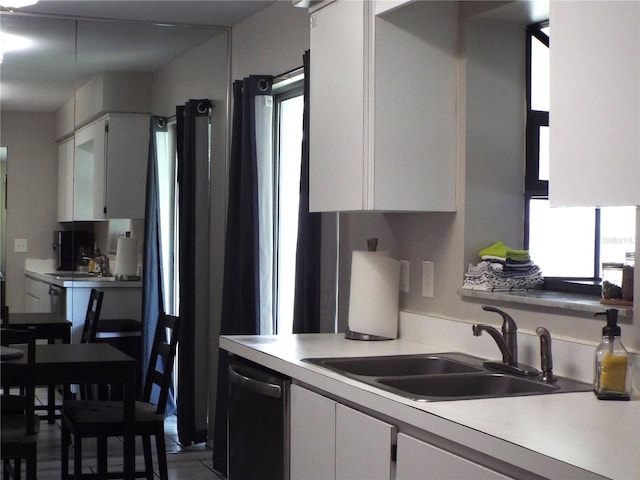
<point>519,255</point>
<point>500,250</point>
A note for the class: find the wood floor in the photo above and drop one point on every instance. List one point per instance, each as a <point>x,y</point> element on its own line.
<point>191,463</point>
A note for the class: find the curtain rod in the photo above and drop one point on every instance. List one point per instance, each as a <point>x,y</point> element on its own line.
<point>283,77</point>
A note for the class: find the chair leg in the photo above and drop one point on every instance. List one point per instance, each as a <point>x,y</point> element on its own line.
<point>17,468</point>
<point>162,454</point>
<point>148,459</point>
<point>102,457</point>
<point>32,463</point>
<point>65,443</point>
<point>77,457</point>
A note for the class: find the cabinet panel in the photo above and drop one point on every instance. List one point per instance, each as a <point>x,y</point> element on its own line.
<point>89,172</point>
<point>383,106</point>
<point>313,434</point>
<point>337,108</point>
<point>65,180</point>
<point>363,445</point>
<point>595,104</point>
<point>418,459</point>
<point>110,167</point>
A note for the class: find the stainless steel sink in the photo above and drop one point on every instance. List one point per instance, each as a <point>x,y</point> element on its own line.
<point>74,275</point>
<point>443,376</point>
<point>398,365</point>
<point>478,385</point>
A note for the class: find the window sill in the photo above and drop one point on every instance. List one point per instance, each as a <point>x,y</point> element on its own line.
<point>545,298</point>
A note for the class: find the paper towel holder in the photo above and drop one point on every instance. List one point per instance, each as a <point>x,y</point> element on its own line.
<point>351,335</point>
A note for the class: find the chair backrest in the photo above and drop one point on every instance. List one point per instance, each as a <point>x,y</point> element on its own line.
<point>91,319</point>
<point>163,352</point>
<point>26,340</point>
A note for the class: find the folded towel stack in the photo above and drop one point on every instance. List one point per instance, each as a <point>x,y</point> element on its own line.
<point>503,269</point>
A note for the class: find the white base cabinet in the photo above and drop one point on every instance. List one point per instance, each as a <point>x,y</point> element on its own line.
<point>418,459</point>
<point>332,441</point>
<point>37,296</point>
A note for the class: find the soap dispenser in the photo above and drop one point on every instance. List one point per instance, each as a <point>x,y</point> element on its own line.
<point>612,375</point>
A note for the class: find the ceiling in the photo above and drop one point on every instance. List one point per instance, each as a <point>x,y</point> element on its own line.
<point>42,77</point>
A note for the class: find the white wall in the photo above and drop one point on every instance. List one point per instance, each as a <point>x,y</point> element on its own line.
<point>32,169</point>
<point>270,42</point>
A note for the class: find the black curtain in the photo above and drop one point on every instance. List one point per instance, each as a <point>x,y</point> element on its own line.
<point>192,229</point>
<point>240,292</point>
<point>306,316</point>
<point>152,295</point>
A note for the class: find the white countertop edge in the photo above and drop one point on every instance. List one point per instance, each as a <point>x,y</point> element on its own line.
<point>524,431</point>
<point>95,282</point>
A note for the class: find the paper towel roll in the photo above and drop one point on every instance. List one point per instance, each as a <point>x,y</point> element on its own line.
<point>373,298</point>
<point>127,257</point>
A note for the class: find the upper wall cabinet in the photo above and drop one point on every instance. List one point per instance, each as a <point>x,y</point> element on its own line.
<point>595,104</point>
<point>110,167</point>
<point>383,107</point>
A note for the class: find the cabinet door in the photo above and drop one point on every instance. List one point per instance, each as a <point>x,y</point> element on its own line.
<point>126,164</point>
<point>313,435</point>
<point>338,118</point>
<point>595,104</point>
<point>37,298</point>
<point>415,86</point>
<point>418,459</point>
<point>65,180</point>
<point>89,172</point>
<point>363,446</point>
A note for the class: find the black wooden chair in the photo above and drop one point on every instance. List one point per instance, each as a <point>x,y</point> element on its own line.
<point>89,333</point>
<point>20,426</point>
<point>102,419</point>
<point>92,318</point>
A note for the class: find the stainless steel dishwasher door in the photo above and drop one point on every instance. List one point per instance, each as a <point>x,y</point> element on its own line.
<point>258,419</point>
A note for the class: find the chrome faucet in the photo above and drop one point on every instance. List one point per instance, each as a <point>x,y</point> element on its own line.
<point>103,263</point>
<point>546,362</point>
<point>507,342</point>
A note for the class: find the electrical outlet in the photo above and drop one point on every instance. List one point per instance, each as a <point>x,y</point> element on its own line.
<point>404,276</point>
<point>20,245</point>
<point>428,274</point>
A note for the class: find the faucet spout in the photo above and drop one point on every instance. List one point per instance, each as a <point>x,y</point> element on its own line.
<point>507,356</point>
<point>546,361</point>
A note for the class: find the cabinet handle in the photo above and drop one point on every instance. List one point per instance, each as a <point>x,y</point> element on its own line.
<point>256,386</point>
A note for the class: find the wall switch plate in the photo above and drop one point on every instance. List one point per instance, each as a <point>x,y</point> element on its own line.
<point>20,245</point>
<point>404,276</point>
<point>428,273</point>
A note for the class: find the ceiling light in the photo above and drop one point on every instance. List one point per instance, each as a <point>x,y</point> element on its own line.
<point>17,3</point>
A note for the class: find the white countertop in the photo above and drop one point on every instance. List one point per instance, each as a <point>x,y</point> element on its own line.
<point>83,282</point>
<point>566,435</point>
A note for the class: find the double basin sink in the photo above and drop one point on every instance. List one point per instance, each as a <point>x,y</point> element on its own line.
<point>443,376</point>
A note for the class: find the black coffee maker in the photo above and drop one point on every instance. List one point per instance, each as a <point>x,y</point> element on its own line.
<point>66,246</point>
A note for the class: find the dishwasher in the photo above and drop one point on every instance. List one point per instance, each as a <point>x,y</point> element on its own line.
<point>258,422</point>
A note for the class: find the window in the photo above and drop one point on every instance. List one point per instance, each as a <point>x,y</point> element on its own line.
<point>288,111</point>
<point>569,243</point>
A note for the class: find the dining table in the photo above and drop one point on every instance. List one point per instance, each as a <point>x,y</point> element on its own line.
<point>68,363</point>
<point>49,326</point>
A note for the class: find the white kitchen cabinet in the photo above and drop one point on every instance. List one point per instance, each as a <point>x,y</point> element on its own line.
<point>383,107</point>
<point>110,167</point>
<point>418,459</point>
<point>313,435</point>
<point>332,441</point>
<point>37,296</point>
<point>595,103</point>
<point>65,180</point>
<point>363,445</point>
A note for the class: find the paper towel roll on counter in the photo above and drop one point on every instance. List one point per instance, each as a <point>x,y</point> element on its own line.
<point>373,298</point>
<point>126,257</point>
